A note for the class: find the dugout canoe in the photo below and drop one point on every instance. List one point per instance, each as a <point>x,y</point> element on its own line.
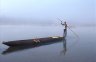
<point>12,49</point>
<point>36,41</point>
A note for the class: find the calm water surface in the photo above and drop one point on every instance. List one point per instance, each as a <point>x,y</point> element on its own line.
<point>73,49</point>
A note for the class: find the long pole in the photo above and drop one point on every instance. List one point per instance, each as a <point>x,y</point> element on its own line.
<point>69,28</point>
<point>59,20</point>
<point>73,31</point>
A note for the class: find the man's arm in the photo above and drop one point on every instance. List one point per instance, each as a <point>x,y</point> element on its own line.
<point>62,23</point>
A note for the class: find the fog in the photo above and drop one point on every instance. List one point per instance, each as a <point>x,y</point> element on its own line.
<point>46,12</point>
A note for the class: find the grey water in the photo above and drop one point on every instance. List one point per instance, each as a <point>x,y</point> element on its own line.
<point>73,49</point>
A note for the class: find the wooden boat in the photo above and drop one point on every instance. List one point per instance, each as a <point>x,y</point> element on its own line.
<point>12,49</point>
<point>33,42</point>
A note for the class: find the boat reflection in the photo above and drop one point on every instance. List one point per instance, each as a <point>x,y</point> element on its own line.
<point>20,48</point>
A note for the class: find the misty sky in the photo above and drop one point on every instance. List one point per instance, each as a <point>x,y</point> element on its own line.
<point>76,11</point>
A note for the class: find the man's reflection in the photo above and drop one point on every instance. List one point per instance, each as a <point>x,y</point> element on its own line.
<point>64,42</point>
<point>64,46</point>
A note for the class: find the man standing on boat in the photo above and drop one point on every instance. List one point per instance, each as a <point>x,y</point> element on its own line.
<point>65,27</point>
<point>64,24</point>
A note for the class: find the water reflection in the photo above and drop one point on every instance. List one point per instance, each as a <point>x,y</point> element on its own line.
<point>20,48</point>
<point>64,42</point>
<point>64,47</point>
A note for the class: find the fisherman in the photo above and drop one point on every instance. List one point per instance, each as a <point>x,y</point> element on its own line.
<point>65,25</point>
<point>65,29</point>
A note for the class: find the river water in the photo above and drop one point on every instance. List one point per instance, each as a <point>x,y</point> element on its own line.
<point>72,49</point>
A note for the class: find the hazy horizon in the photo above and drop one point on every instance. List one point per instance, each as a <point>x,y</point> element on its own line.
<point>35,12</point>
